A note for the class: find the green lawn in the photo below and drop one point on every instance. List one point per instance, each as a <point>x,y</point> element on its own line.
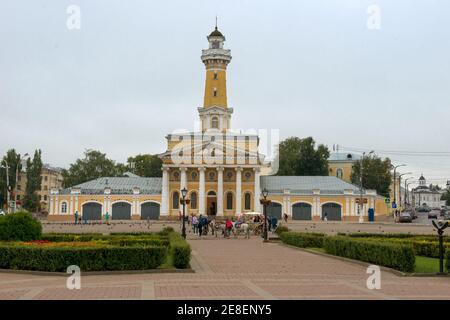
<point>427,265</point>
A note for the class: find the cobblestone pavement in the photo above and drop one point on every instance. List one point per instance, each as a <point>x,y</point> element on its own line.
<point>234,269</point>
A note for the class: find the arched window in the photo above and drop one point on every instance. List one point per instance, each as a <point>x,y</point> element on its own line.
<point>215,123</point>
<point>64,207</point>
<point>193,200</point>
<point>339,173</point>
<point>247,201</point>
<point>229,201</point>
<point>176,200</point>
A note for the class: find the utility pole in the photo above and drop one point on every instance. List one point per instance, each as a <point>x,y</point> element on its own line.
<point>360,205</point>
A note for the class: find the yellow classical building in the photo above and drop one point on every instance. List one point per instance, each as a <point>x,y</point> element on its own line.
<point>221,169</point>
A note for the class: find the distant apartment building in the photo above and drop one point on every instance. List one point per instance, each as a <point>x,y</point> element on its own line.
<point>51,178</point>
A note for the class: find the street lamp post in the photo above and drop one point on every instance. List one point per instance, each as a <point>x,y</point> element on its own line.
<point>184,202</point>
<point>440,227</point>
<point>395,182</point>
<point>400,184</point>
<point>360,204</point>
<point>410,194</point>
<point>406,189</point>
<point>265,203</point>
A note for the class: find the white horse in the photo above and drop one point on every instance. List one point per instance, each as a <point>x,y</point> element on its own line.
<point>243,228</point>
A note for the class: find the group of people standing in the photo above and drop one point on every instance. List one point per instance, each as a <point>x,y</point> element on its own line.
<point>198,223</point>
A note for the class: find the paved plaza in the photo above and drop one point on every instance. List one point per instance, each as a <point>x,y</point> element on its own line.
<point>424,227</point>
<point>235,269</point>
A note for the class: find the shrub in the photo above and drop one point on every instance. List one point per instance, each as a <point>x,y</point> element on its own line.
<point>281,229</point>
<point>179,251</point>
<point>303,240</point>
<point>88,259</point>
<point>397,256</point>
<point>20,226</point>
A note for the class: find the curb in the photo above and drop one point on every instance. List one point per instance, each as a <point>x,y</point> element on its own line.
<point>97,273</point>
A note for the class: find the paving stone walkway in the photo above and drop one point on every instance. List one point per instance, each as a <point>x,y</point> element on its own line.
<point>235,269</point>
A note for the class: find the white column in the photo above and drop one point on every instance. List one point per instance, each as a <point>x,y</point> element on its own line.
<point>201,191</point>
<point>257,192</point>
<point>51,205</point>
<point>57,206</point>
<point>220,191</point>
<point>70,211</point>
<point>347,206</point>
<point>238,190</point>
<point>165,193</point>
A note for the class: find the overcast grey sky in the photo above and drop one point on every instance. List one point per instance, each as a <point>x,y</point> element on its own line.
<point>133,73</point>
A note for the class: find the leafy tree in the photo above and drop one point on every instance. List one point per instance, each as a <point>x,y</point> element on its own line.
<point>376,174</point>
<point>146,165</point>
<point>94,165</point>
<point>300,157</point>
<point>34,169</point>
<point>435,187</point>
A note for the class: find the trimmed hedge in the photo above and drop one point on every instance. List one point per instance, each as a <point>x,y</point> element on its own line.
<point>179,251</point>
<point>281,229</point>
<point>426,246</point>
<point>20,226</point>
<point>303,240</point>
<point>88,259</point>
<point>397,256</point>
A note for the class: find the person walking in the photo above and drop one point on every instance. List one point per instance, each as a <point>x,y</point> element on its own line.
<point>76,217</point>
<point>107,218</point>
<point>195,224</point>
<point>200,225</point>
<point>285,216</point>
<point>228,227</point>
<point>325,217</point>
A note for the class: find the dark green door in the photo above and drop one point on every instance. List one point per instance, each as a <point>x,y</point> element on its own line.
<point>121,211</point>
<point>301,211</point>
<point>333,211</point>
<point>92,211</point>
<point>150,210</point>
<point>274,210</point>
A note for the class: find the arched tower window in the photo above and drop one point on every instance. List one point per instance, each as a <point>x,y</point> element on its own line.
<point>247,201</point>
<point>215,123</point>
<point>193,200</point>
<point>339,173</point>
<point>215,92</point>
<point>176,200</point>
<point>229,201</point>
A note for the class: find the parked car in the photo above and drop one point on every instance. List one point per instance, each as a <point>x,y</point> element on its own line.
<point>405,217</point>
<point>433,214</point>
<point>424,208</point>
<point>444,210</point>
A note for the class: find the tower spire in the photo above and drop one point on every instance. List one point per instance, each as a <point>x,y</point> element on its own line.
<point>216,21</point>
